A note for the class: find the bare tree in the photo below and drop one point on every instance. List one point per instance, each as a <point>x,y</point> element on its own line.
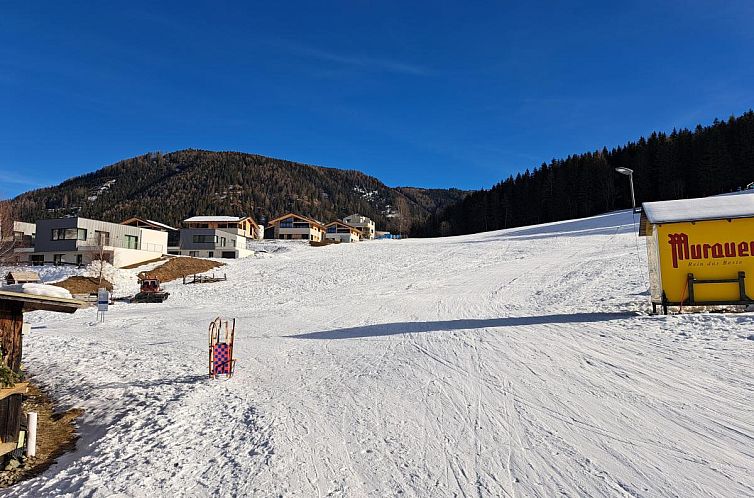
<point>7,238</point>
<point>404,214</point>
<point>97,254</point>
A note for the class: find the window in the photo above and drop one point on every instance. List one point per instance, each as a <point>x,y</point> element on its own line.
<point>57,259</point>
<point>204,239</point>
<point>287,223</point>
<point>132,242</point>
<point>301,224</point>
<point>222,241</point>
<point>210,254</point>
<point>305,236</point>
<point>289,236</point>
<point>79,259</point>
<point>37,259</point>
<point>331,229</point>
<point>192,254</point>
<point>281,236</point>
<point>68,234</point>
<point>102,238</point>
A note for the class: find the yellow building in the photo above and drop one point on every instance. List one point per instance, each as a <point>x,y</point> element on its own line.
<point>700,251</point>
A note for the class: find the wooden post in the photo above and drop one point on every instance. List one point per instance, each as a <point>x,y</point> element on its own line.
<point>742,286</point>
<point>11,325</point>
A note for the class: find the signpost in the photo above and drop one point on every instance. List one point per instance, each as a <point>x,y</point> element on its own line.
<point>103,299</point>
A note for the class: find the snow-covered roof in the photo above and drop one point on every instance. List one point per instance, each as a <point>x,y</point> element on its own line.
<point>41,297</point>
<point>199,219</point>
<point>703,208</point>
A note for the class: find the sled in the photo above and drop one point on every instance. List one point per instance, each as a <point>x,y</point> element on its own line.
<point>221,335</point>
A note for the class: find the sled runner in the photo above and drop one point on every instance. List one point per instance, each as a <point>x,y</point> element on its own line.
<point>221,335</point>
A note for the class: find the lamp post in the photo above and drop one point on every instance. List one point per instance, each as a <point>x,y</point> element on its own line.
<point>630,173</point>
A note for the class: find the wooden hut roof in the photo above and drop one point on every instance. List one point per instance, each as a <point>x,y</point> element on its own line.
<point>22,276</point>
<point>34,302</point>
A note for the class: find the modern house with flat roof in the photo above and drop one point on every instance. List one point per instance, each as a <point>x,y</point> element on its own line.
<point>296,227</point>
<point>217,236</point>
<point>362,223</point>
<point>81,241</point>
<point>342,232</point>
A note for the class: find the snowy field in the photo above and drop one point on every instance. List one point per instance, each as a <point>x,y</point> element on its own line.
<point>511,363</point>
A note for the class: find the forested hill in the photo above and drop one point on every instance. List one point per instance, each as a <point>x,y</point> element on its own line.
<point>709,160</point>
<point>171,187</point>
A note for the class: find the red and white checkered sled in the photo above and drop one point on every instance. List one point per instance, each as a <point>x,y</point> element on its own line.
<point>221,335</point>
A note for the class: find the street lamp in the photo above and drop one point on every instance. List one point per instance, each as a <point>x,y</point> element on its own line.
<point>630,173</point>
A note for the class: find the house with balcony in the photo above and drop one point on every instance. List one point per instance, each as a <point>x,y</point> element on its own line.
<point>363,224</point>
<point>218,236</point>
<point>18,241</point>
<point>174,234</point>
<point>342,232</point>
<point>79,241</point>
<point>296,227</point>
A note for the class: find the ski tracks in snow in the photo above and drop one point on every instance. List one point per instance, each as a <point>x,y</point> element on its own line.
<point>511,363</point>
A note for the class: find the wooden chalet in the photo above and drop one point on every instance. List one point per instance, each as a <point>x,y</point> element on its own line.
<point>342,232</point>
<point>297,227</point>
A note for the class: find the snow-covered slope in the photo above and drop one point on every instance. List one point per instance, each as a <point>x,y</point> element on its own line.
<point>511,363</point>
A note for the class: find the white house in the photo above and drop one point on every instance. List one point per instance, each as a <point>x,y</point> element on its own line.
<point>218,236</point>
<point>364,224</point>
<point>343,232</point>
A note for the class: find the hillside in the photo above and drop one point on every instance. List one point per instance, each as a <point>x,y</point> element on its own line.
<point>509,363</point>
<point>709,160</point>
<point>171,187</point>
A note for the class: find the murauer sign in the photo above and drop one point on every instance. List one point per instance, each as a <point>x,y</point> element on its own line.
<point>682,250</point>
<point>700,250</point>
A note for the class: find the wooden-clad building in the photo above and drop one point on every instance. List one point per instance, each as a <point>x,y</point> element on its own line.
<point>294,226</point>
<point>12,307</point>
<point>342,232</point>
<point>21,277</point>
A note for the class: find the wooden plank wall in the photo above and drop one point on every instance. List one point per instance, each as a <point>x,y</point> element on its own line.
<point>11,324</point>
<point>11,413</point>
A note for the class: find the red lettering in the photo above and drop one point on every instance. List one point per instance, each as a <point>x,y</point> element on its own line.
<point>743,249</point>
<point>679,243</point>
<point>696,251</point>
<point>705,250</point>
<point>717,250</point>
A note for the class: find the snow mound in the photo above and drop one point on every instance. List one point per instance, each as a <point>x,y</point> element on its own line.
<point>39,290</point>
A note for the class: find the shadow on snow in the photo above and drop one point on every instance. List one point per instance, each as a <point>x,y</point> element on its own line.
<point>383,329</point>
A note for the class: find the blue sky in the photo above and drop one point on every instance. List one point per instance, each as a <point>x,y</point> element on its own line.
<point>433,94</point>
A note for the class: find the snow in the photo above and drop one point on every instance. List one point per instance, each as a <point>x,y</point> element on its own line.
<point>510,363</point>
<point>47,273</point>
<point>38,290</point>
<point>705,208</point>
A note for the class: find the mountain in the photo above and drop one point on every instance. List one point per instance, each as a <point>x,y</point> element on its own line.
<point>709,160</point>
<point>174,186</point>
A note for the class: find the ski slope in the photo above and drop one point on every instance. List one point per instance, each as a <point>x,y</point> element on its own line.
<point>510,363</point>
